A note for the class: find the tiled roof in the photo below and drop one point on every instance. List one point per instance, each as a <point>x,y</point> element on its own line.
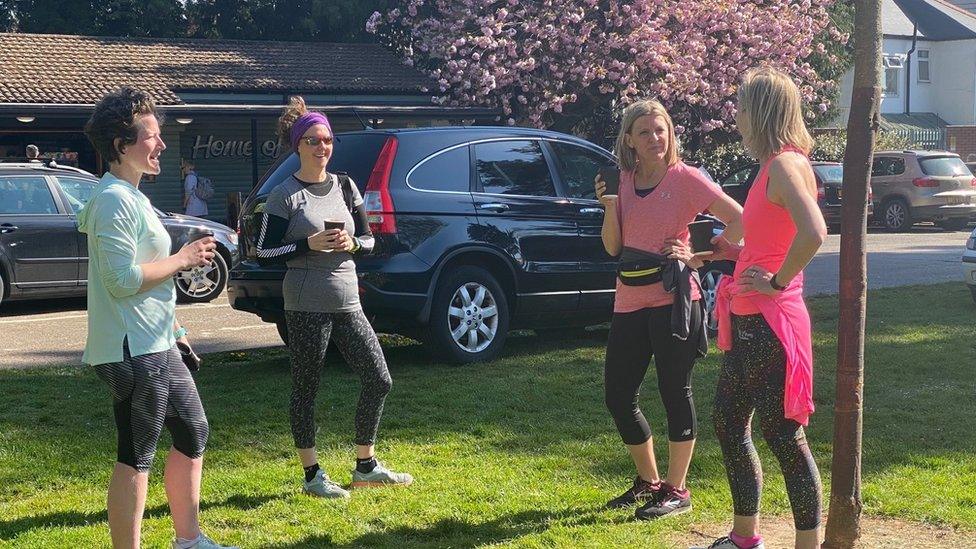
<point>936,19</point>
<point>49,68</point>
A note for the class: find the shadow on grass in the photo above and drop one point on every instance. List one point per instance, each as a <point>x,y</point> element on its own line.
<point>10,529</point>
<point>453,532</point>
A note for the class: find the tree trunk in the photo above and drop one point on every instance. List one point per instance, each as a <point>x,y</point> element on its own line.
<point>843,522</point>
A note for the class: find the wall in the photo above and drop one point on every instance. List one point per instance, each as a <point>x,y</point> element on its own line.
<point>962,141</point>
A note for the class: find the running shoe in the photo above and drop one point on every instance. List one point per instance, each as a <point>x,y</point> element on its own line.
<point>641,491</point>
<point>323,487</point>
<point>380,476</point>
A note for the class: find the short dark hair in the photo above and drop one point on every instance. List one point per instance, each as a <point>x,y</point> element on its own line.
<point>115,118</point>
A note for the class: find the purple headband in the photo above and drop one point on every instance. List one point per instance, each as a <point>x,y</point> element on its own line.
<point>305,122</point>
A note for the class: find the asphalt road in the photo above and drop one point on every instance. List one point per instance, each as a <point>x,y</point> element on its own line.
<point>53,332</point>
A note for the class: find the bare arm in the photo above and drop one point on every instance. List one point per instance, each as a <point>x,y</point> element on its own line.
<point>730,212</point>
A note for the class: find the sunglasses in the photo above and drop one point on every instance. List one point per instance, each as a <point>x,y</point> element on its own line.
<point>315,141</point>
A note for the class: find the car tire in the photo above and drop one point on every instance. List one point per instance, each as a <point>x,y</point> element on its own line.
<point>711,275</point>
<point>202,284</point>
<point>896,215</point>
<point>954,223</point>
<point>468,297</point>
<point>282,331</point>
<point>1,288</point>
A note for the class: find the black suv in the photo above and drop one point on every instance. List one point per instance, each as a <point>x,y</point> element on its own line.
<point>479,230</point>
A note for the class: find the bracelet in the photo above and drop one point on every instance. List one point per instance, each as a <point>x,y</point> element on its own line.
<point>179,333</point>
<point>776,285</point>
<point>355,245</point>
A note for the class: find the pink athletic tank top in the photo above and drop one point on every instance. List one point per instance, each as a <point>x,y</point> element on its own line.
<point>768,232</point>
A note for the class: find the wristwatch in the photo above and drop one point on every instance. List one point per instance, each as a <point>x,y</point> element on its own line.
<point>776,285</point>
<point>179,333</point>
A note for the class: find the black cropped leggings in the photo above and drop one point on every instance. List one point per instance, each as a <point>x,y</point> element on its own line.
<point>634,338</point>
<point>753,378</point>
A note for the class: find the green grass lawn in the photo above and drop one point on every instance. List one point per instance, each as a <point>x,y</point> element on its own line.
<point>520,451</point>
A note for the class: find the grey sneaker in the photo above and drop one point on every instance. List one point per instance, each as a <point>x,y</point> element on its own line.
<point>203,542</point>
<point>323,487</point>
<point>725,542</point>
<point>380,476</point>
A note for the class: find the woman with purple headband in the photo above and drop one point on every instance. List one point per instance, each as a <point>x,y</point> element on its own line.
<point>315,223</point>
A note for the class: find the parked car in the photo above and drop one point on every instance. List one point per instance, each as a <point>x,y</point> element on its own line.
<point>830,188</point>
<point>913,186</point>
<point>969,264</point>
<point>479,230</point>
<point>42,254</point>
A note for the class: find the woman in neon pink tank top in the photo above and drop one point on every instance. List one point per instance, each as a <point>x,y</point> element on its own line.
<point>764,327</point>
<point>657,310</point>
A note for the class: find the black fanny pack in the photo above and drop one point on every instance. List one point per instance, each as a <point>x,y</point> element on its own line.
<point>639,268</point>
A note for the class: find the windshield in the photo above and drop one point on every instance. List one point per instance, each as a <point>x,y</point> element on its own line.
<point>830,173</point>
<point>944,166</point>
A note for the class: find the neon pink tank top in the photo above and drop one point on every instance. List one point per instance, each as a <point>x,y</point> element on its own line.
<point>768,232</point>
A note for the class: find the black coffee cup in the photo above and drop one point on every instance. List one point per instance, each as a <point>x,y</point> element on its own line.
<point>701,235</point>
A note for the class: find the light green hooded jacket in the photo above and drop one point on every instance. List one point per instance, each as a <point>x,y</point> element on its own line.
<point>123,233</point>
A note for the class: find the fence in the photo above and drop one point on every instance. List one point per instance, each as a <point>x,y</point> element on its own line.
<point>930,139</point>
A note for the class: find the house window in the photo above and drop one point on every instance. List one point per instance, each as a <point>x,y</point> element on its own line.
<point>891,81</point>
<point>923,65</point>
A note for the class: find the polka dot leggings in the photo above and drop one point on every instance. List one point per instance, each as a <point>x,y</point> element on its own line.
<point>753,378</point>
<point>308,338</point>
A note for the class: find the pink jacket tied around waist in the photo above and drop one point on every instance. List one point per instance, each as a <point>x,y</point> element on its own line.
<point>788,317</point>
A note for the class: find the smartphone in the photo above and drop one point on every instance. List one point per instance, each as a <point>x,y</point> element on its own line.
<point>327,225</point>
<point>611,176</point>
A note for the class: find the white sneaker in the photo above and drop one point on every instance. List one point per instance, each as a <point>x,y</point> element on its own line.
<point>203,542</point>
<point>725,542</point>
<point>323,487</point>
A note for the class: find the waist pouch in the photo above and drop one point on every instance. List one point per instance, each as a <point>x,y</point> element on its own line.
<point>639,268</point>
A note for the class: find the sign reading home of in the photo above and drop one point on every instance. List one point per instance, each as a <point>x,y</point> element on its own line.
<point>208,147</point>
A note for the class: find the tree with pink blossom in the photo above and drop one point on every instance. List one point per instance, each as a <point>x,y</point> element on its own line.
<point>571,64</point>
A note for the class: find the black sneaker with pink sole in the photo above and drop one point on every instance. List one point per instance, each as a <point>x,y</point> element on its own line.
<point>669,501</point>
<point>640,492</point>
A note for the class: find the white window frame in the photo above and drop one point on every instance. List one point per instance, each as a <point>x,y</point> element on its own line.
<point>928,66</point>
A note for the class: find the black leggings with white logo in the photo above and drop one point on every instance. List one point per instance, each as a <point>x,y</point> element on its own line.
<point>634,338</point>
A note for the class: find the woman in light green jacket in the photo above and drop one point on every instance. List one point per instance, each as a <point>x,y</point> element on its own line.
<point>132,326</point>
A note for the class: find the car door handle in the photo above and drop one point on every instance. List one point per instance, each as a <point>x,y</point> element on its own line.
<point>591,211</point>
<point>7,228</point>
<point>493,206</point>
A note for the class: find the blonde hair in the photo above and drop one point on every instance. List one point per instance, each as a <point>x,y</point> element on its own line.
<point>769,103</point>
<point>626,155</point>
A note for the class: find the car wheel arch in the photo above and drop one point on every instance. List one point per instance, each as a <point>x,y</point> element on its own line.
<point>492,260</point>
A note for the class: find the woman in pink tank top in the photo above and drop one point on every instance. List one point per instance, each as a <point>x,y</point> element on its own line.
<point>764,327</point>
<point>658,309</point>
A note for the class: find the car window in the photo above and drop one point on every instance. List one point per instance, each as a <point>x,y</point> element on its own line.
<point>448,170</point>
<point>829,173</point>
<point>739,177</point>
<point>887,165</point>
<point>26,195</point>
<point>578,167</point>
<point>354,154</point>
<point>78,191</point>
<point>944,166</point>
<point>513,167</point>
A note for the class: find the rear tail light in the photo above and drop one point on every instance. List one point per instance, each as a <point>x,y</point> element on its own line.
<point>821,192</point>
<point>377,199</point>
<point>972,182</point>
<point>925,182</point>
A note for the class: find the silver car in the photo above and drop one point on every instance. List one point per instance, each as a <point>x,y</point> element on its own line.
<point>913,186</point>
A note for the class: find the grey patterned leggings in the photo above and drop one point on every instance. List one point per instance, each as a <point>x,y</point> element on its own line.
<point>308,338</point>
